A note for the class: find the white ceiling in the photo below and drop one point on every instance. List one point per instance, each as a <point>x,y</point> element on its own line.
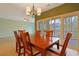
<point>16,11</point>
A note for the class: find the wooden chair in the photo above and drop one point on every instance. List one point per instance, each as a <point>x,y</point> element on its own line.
<point>48,37</point>
<point>19,45</point>
<point>21,30</point>
<point>39,40</point>
<point>64,46</point>
<point>28,49</point>
<point>49,34</point>
<point>37,36</point>
<point>19,33</point>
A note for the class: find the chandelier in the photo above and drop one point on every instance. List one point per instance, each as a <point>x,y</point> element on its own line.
<point>32,11</point>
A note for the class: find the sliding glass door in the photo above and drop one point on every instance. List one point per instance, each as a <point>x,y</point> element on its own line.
<point>47,24</point>
<point>61,25</point>
<point>70,25</point>
<point>56,27</point>
<point>41,27</point>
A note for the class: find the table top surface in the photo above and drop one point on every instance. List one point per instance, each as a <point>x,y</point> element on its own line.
<point>43,44</point>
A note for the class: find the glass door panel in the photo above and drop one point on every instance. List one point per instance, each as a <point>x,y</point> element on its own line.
<point>47,25</point>
<point>70,25</point>
<point>53,27</point>
<point>56,27</point>
<point>41,27</point>
<point>66,25</point>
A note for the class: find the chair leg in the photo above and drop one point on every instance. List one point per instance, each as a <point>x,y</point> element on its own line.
<point>16,47</point>
<point>43,53</point>
<point>24,52</point>
<point>65,54</point>
<point>19,53</point>
<point>31,51</point>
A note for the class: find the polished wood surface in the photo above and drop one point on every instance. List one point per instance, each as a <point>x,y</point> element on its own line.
<point>64,46</point>
<point>41,44</point>
<point>37,42</point>
<point>28,48</point>
<point>19,44</point>
<point>48,37</point>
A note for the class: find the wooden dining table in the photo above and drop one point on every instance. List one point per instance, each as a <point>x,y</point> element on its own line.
<point>42,45</point>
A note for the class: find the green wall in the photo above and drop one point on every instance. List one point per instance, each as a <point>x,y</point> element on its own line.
<point>62,9</point>
<point>8,26</point>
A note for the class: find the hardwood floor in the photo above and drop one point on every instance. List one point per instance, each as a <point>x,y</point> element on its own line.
<point>7,47</point>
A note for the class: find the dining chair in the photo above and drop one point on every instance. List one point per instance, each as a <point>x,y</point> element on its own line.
<point>37,36</point>
<point>28,48</point>
<point>48,37</point>
<point>20,32</point>
<point>21,29</point>
<point>39,40</point>
<point>63,49</point>
<point>19,44</point>
<point>49,34</point>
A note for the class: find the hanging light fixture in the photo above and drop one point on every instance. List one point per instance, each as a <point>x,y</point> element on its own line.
<point>32,11</point>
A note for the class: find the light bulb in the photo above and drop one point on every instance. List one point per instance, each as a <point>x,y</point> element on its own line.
<point>24,20</point>
<point>28,9</point>
<point>39,10</point>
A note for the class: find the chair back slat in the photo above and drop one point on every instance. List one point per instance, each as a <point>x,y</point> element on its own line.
<point>68,36</point>
<point>48,36</point>
<point>20,32</point>
<point>26,42</point>
<point>37,34</point>
<point>17,37</point>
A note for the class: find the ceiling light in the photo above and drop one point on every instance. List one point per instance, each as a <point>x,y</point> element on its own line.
<point>32,11</point>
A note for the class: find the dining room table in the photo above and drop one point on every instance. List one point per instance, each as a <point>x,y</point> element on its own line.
<point>41,45</point>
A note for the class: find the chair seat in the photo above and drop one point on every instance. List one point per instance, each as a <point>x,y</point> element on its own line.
<point>21,47</point>
<point>34,51</point>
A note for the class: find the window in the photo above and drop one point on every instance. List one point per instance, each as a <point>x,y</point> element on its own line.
<point>41,27</point>
<point>70,25</point>
<point>47,24</point>
<point>56,27</point>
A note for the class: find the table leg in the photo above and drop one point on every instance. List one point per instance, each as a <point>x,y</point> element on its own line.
<point>43,52</point>
<point>58,44</point>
